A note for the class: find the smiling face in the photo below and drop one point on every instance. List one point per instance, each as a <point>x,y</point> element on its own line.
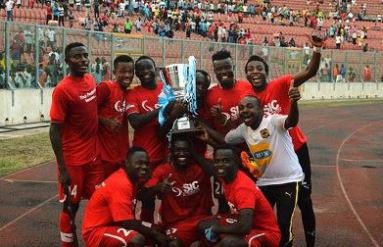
<point>256,75</point>
<point>137,166</point>
<point>250,112</point>
<point>124,73</point>
<point>223,70</point>
<point>77,60</point>
<point>225,164</point>
<point>180,154</point>
<point>146,72</point>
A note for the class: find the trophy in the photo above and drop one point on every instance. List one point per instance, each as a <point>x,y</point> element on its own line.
<point>179,84</point>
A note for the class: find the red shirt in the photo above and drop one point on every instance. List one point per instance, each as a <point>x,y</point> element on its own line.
<point>141,101</point>
<point>74,105</point>
<point>112,104</point>
<point>275,100</point>
<point>113,202</point>
<point>190,196</point>
<point>242,193</point>
<point>229,100</point>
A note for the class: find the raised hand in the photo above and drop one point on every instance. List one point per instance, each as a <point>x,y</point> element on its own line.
<point>216,110</point>
<point>166,185</point>
<point>317,39</point>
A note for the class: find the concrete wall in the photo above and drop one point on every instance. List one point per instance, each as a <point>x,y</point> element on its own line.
<point>35,103</point>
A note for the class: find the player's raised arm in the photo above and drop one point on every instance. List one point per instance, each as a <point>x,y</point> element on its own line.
<point>312,68</point>
<point>293,116</point>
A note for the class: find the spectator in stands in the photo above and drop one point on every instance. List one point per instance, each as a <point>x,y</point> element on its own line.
<point>96,70</point>
<point>9,5</point>
<point>367,73</point>
<point>138,24</point>
<point>48,9</point>
<point>128,26</point>
<point>70,18</point>
<point>338,41</point>
<point>28,40</point>
<point>51,37</point>
<point>23,78</point>
<point>351,75</point>
<point>343,72</point>
<point>96,8</point>
<point>335,72</point>
<point>60,10</point>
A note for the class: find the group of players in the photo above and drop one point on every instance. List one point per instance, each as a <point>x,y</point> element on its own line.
<point>89,135</point>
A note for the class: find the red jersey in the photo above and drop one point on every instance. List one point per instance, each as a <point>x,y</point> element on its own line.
<point>112,202</point>
<point>229,100</point>
<point>190,196</point>
<point>275,100</point>
<point>112,104</point>
<point>141,101</point>
<point>242,193</point>
<point>74,105</point>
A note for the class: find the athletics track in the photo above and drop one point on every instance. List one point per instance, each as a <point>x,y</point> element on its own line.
<point>346,147</point>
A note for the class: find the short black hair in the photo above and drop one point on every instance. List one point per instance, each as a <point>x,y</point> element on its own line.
<point>220,55</point>
<point>233,149</point>
<point>252,96</point>
<point>260,59</point>
<point>134,149</point>
<point>205,74</point>
<point>142,58</point>
<point>122,59</point>
<point>71,46</point>
<point>179,137</point>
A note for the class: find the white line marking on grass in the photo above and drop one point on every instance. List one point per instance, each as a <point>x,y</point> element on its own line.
<point>26,169</point>
<point>29,181</point>
<point>359,219</point>
<point>351,160</point>
<point>26,213</point>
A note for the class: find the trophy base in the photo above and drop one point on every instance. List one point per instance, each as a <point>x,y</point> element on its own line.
<point>184,125</point>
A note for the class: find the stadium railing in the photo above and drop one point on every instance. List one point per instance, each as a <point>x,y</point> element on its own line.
<point>26,59</point>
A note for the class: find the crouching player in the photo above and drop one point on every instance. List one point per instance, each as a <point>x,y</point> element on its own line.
<point>251,221</point>
<point>109,216</point>
<point>185,191</point>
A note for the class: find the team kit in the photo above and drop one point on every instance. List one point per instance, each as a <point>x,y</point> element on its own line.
<point>222,165</point>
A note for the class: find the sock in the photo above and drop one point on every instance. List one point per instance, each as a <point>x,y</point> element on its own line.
<point>66,234</point>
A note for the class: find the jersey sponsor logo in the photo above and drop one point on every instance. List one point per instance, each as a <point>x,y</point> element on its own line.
<point>187,189</point>
<point>272,108</point>
<point>233,113</point>
<point>262,154</point>
<point>121,106</point>
<point>89,96</point>
<point>264,133</point>
<point>147,108</point>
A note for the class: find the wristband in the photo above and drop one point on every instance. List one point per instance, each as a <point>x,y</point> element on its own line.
<point>146,224</point>
<point>317,49</point>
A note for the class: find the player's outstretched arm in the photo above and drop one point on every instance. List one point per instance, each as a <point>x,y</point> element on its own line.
<point>293,116</point>
<point>136,120</point>
<point>241,227</point>
<point>312,68</point>
<point>205,164</point>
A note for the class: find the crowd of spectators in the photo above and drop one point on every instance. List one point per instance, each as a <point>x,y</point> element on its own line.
<point>194,18</point>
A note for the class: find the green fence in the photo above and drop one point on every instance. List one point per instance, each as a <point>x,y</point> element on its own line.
<point>26,58</point>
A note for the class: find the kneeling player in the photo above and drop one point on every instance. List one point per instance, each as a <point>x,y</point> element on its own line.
<point>185,191</point>
<point>109,216</point>
<point>252,221</point>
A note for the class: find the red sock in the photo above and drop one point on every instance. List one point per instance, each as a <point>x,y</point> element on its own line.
<point>66,234</point>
